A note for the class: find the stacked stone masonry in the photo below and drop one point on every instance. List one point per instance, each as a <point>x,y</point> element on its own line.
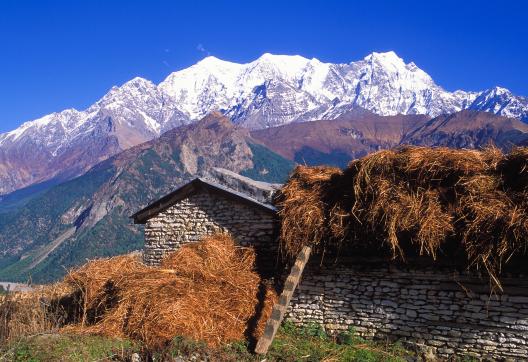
<point>442,311</point>
<point>203,214</point>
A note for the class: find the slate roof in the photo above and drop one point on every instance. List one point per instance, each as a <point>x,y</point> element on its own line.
<point>191,188</point>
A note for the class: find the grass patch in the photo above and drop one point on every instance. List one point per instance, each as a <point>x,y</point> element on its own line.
<point>309,343</point>
<point>68,348</point>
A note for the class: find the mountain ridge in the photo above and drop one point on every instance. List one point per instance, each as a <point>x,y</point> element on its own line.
<point>271,91</point>
<point>357,133</point>
<point>87,216</point>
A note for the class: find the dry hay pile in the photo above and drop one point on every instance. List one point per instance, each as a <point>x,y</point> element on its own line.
<point>206,291</point>
<point>303,208</point>
<point>415,196</point>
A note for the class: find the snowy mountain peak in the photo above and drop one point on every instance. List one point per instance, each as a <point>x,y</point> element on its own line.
<point>292,61</point>
<point>210,59</point>
<point>499,91</point>
<point>390,62</point>
<point>212,62</point>
<point>137,82</point>
<point>389,57</point>
<point>501,101</point>
<point>269,67</point>
<point>134,85</point>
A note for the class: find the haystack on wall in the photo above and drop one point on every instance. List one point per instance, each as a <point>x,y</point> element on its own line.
<point>441,309</point>
<point>205,213</point>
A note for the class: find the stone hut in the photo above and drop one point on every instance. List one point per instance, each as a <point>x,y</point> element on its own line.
<point>202,207</point>
<point>439,308</point>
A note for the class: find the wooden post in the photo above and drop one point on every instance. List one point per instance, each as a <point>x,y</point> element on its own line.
<point>279,309</point>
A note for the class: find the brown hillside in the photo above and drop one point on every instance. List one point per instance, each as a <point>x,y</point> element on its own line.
<point>469,129</point>
<point>354,134</point>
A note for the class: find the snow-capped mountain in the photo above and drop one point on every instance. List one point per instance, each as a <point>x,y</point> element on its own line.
<point>270,91</point>
<point>65,144</point>
<point>501,101</point>
<point>278,89</point>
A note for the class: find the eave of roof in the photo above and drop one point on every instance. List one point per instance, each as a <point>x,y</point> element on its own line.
<point>191,188</point>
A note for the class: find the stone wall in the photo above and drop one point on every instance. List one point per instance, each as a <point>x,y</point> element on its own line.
<point>437,309</point>
<point>443,311</point>
<point>206,213</point>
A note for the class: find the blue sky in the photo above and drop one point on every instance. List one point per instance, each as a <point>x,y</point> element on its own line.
<point>61,54</point>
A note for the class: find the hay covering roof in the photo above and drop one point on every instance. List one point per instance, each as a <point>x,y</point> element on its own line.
<point>418,196</point>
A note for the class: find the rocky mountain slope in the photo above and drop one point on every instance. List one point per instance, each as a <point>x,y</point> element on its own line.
<point>358,133</point>
<point>88,216</point>
<point>271,91</point>
<point>336,142</point>
<point>469,129</point>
